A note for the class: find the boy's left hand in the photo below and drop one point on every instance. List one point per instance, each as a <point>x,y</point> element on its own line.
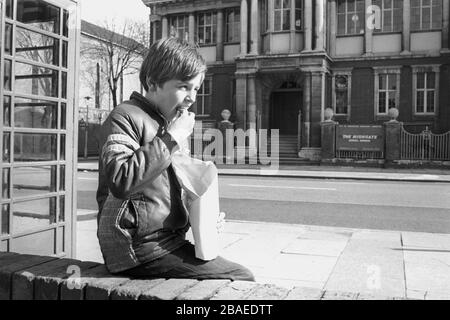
<point>221,222</point>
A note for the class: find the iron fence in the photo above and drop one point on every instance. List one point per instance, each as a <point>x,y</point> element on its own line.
<point>425,146</point>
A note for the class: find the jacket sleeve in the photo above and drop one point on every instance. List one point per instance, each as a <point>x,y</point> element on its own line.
<point>127,165</point>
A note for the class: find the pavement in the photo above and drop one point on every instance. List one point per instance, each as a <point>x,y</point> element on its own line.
<point>374,263</point>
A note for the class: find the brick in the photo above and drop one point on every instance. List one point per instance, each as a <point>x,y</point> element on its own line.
<point>303,293</point>
<point>100,288</point>
<point>268,292</point>
<point>133,289</point>
<point>12,264</point>
<point>23,281</point>
<point>339,295</point>
<point>168,290</point>
<point>204,290</point>
<point>76,291</point>
<point>47,287</point>
<point>236,290</point>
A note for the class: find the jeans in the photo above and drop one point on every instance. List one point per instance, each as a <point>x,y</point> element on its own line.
<point>182,263</point>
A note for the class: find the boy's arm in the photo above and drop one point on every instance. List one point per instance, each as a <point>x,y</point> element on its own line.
<point>127,165</point>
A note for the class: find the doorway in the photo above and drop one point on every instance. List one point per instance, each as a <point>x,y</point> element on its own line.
<point>284,109</point>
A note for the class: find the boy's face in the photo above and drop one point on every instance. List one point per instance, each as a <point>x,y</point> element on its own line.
<point>175,94</point>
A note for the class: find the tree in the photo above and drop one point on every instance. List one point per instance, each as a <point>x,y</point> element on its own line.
<point>118,47</point>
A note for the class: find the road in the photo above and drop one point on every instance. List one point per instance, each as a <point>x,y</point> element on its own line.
<point>382,205</point>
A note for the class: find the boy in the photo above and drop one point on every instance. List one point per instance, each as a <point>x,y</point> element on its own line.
<point>142,221</point>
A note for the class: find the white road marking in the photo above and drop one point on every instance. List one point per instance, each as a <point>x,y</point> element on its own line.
<point>80,178</point>
<point>280,187</point>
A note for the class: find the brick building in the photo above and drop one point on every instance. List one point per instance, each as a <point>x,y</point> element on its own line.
<point>277,64</point>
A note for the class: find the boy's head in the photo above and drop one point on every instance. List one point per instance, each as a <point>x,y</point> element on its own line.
<point>171,59</point>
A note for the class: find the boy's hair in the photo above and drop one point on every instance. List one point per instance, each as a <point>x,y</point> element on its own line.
<point>169,59</point>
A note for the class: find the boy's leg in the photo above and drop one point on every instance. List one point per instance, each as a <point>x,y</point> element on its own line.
<point>182,263</point>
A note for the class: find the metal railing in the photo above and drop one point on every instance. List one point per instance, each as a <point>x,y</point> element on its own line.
<point>424,146</point>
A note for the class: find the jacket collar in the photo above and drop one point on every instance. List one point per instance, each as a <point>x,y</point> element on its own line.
<point>147,104</point>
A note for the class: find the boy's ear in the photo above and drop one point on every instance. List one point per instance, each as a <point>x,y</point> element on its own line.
<point>151,85</point>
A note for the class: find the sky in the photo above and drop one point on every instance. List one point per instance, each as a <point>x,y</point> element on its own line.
<point>97,11</point>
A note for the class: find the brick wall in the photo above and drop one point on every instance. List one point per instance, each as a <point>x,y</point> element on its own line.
<point>31,277</point>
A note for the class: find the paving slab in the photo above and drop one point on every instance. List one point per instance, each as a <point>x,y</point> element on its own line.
<point>100,288</point>
<point>327,248</point>
<point>290,283</point>
<point>426,240</point>
<point>303,293</point>
<point>339,295</point>
<point>300,267</point>
<point>427,277</point>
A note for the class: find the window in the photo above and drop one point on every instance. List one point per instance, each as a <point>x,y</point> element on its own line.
<point>426,83</point>
<point>351,17</point>
<point>179,27</point>
<point>391,15</point>
<point>298,14</point>
<point>426,14</point>
<point>282,11</point>
<point>233,23</point>
<point>387,90</point>
<point>342,92</point>
<point>204,98</point>
<point>206,28</point>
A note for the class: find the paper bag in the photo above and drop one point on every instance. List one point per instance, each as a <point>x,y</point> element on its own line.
<point>200,181</point>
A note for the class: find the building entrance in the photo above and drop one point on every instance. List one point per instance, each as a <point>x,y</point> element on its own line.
<point>284,109</point>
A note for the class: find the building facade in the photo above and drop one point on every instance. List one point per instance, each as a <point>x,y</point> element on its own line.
<point>278,64</point>
<point>38,110</point>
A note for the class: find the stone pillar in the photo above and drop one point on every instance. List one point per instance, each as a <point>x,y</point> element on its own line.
<point>191,27</point>
<point>251,115</point>
<point>445,25</point>
<point>292,31</point>
<point>307,17</point>
<point>241,100</point>
<point>271,14</point>
<point>254,28</point>
<point>392,140</point>
<point>368,33</point>
<point>328,139</point>
<point>406,34</point>
<point>306,132</point>
<point>165,27</point>
<point>244,28</point>
<point>220,34</point>
<point>320,25</point>
<point>333,27</point>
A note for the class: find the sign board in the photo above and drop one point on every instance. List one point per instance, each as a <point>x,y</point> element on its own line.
<point>360,138</point>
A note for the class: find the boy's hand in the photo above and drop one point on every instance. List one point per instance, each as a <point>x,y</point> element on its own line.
<point>221,222</point>
<point>181,128</point>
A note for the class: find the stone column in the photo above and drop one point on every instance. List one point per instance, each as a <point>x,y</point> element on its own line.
<point>393,140</point>
<point>241,100</point>
<point>406,34</point>
<point>165,27</point>
<point>292,31</point>
<point>445,25</point>
<point>320,25</point>
<point>271,14</point>
<point>191,27</point>
<point>244,28</point>
<point>307,17</point>
<point>251,114</point>
<point>333,27</point>
<point>306,133</point>
<point>254,28</point>
<point>368,34</point>
<point>220,34</point>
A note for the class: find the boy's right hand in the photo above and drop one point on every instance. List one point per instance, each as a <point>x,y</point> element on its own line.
<point>181,128</point>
